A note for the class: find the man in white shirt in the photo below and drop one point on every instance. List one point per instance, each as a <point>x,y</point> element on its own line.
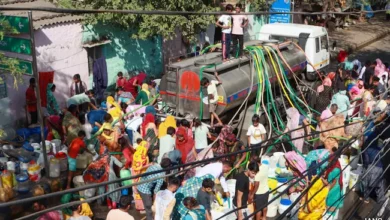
<point>239,23</point>
<point>225,22</point>
<point>165,200</point>
<point>216,170</point>
<point>167,143</point>
<point>123,212</point>
<point>212,97</point>
<point>256,134</point>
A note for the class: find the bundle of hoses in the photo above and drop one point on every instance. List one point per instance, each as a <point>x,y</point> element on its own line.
<point>262,68</point>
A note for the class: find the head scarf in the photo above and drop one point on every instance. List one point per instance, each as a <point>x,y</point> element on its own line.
<point>293,118</point>
<point>326,114</point>
<point>170,121</point>
<point>296,161</point>
<point>379,68</point>
<point>52,105</point>
<point>185,145</point>
<point>149,118</point>
<point>115,111</point>
<point>140,157</point>
<point>333,165</point>
<point>327,82</point>
<point>145,88</point>
<point>226,131</point>
<point>107,126</point>
<point>331,75</point>
<point>150,109</point>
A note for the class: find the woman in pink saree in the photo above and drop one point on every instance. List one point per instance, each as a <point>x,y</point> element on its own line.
<point>294,121</point>
<point>380,67</point>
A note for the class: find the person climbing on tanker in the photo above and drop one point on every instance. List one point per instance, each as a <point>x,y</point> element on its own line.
<point>256,134</point>
<point>225,22</point>
<point>212,97</point>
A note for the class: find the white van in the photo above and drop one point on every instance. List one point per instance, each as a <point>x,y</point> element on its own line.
<point>313,40</point>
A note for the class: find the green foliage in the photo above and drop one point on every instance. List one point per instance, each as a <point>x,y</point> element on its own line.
<point>12,64</point>
<point>151,25</point>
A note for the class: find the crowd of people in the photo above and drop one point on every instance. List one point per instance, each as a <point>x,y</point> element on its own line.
<point>128,136</point>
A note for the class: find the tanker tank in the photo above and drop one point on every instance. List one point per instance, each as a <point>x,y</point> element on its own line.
<point>180,87</point>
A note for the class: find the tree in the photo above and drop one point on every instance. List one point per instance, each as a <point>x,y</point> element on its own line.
<point>11,64</point>
<point>146,26</point>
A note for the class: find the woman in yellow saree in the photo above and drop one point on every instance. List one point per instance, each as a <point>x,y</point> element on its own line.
<point>315,208</point>
<point>139,166</point>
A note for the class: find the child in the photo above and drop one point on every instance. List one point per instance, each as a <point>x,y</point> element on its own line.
<point>73,152</point>
<point>121,81</point>
<point>225,22</point>
<point>212,97</point>
<point>256,134</point>
<point>204,196</point>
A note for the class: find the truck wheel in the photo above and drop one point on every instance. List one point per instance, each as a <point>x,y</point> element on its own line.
<point>310,77</point>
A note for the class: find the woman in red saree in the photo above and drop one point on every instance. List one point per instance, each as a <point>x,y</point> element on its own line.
<point>184,143</point>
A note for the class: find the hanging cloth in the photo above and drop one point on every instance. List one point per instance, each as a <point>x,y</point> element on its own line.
<point>44,79</point>
<point>100,77</point>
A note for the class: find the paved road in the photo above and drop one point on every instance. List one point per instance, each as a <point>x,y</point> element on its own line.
<point>379,49</point>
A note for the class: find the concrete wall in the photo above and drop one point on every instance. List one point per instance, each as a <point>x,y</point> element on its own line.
<point>59,49</point>
<point>125,53</point>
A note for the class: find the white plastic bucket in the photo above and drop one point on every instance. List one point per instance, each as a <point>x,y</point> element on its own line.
<point>353,180</point>
<point>48,146</point>
<point>36,146</point>
<point>275,202</point>
<point>231,185</point>
<point>56,144</point>
<point>78,181</point>
<point>283,205</point>
<point>294,196</point>
<point>272,211</point>
<point>11,166</point>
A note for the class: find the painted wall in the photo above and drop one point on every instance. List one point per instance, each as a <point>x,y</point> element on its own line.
<point>59,49</point>
<point>124,53</point>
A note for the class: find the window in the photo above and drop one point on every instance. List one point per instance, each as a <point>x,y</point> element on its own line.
<point>324,43</point>
<point>284,39</point>
<point>94,53</point>
<point>3,88</point>
<point>317,45</point>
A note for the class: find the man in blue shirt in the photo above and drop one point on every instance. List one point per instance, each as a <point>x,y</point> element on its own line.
<point>145,190</point>
<point>96,119</point>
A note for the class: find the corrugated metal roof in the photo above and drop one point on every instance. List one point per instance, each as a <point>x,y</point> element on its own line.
<point>40,18</point>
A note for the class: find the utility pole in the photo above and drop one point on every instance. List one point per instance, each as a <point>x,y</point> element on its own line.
<point>36,76</point>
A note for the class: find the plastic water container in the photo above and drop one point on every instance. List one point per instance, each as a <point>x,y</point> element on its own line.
<point>36,146</point>
<point>283,205</point>
<point>272,211</point>
<point>34,171</point>
<point>125,174</point>
<point>78,181</point>
<point>63,161</point>
<point>353,180</point>
<point>56,145</point>
<point>48,146</point>
<point>294,196</point>
<point>231,185</point>
<point>81,161</point>
<point>24,185</point>
<point>282,181</point>
<point>11,166</point>
<point>282,162</point>
<point>54,168</point>
<point>275,202</point>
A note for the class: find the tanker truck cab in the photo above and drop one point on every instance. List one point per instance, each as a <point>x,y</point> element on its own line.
<point>313,40</point>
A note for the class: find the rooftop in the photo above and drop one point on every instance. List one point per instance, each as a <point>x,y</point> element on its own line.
<point>40,18</point>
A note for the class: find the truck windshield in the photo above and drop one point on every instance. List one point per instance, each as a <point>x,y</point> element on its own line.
<point>284,38</point>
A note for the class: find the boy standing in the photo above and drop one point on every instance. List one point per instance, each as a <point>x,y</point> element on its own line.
<point>204,196</point>
<point>212,97</point>
<point>226,26</point>
<point>256,134</point>
<point>239,23</point>
<point>73,152</point>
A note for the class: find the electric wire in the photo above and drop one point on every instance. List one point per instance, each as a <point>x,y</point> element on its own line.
<point>361,153</point>
<point>94,185</point>
<point>299,198</point>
